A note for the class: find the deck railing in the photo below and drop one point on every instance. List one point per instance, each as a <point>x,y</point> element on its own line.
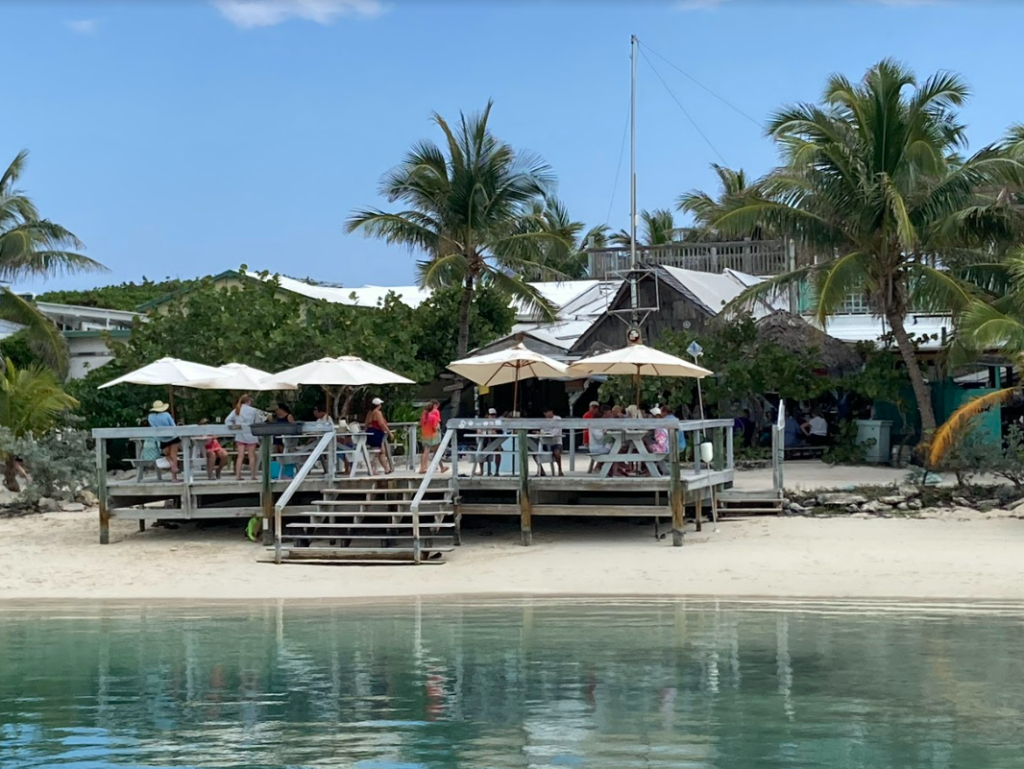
<point>754,257</point>
<point>326,443</point>
<point>414,506</point>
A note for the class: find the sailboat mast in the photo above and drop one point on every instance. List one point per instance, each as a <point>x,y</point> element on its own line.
<point>634,298</point>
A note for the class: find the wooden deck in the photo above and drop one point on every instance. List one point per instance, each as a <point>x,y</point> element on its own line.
<point>525,494</point>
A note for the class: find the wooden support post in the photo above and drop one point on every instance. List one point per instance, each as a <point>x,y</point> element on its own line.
<point>525,506</point>
<point>142,524</point>
<point>698,511</point>
<point>675,490</point>
<point>267,495</point>
<point>101,490</point>
<point>718,441</point>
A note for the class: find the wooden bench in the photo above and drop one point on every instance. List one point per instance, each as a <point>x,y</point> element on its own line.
<point>805,452</point>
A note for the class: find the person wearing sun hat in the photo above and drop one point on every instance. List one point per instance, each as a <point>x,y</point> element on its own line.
<point>159,416</point>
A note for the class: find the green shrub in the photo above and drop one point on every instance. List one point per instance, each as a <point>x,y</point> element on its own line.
<point>60,462</point>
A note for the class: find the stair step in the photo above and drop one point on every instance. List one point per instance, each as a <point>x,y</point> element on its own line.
<point>363,550</point>
<point>723,510</point>
<point>377,503</point>
<point>432,538</point>
<point>404,491</point>
<point>423,525</point>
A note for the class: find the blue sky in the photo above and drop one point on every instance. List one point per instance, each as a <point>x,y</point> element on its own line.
<point>184,138</point>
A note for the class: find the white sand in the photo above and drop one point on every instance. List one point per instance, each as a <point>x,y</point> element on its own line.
<point>57,556</point>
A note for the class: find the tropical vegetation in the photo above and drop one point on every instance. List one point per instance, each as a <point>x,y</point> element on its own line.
<point>874,184</point>
<point>470,209</point>
<point>32,247</point>
<point>126,296</point>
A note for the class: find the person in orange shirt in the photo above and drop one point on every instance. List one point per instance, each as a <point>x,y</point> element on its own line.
<point>592,413</point>
<point>430,428</point>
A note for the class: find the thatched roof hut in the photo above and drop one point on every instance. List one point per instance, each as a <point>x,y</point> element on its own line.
<point>793,333</point>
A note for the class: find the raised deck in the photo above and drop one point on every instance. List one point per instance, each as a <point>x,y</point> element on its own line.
<point>313,495</point>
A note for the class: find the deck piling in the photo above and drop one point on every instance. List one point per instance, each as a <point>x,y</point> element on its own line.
<point>101,490</point>
<point>267,493</point>
<point>525,506</point>
<point>675,492</point>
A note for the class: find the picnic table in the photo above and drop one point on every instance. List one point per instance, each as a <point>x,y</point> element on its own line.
<point>628,446</point>
<point>492,444</point>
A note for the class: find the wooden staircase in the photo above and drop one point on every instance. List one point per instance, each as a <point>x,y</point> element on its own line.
<point>745,503</point>
<point>371,521</point>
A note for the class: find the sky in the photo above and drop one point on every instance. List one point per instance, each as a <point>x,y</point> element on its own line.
<point>186,137</point>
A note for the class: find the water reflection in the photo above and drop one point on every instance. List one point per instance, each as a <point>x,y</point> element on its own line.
<point>550,684</point>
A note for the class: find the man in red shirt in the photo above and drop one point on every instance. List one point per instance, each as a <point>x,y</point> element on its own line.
<point>592,413</point>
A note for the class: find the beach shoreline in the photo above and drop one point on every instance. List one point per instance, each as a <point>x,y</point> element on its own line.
<point>56,557</point>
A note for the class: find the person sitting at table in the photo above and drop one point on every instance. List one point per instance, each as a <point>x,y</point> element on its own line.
<point>551,440</point>
<point>216,456</point>
<point>378,430</point>
<point>282,415</point>
<point>658,442</point>
<point>169,444</point>
<point>816,429</point>
<point>242,417</point>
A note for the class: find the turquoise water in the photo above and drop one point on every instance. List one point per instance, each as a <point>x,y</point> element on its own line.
<point>551,684</point>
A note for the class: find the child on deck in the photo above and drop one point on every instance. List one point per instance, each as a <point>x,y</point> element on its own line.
<point>216,456</point>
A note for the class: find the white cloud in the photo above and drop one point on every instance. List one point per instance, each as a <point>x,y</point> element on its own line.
<point>248,14</point>
<point>83,26</point>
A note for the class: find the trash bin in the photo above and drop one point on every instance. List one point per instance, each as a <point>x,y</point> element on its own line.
<point>874,435</point>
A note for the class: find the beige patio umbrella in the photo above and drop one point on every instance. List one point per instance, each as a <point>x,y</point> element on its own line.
<point>172,372</point>
<point>238,376</point>
<point>637,360</point>
<point>343,371</point>
<point>509,365</point>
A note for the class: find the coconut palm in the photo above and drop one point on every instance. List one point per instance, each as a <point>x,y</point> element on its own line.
<point>31,401</point>
<point>469,207</point>
<point>872,183</point>
<point>32,247</point>
<point>565,254</point>
<point>992,324</point>
<point>736,190</point>
<point>657,228</point>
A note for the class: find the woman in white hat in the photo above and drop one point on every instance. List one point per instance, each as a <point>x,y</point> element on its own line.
<point>159,416</point>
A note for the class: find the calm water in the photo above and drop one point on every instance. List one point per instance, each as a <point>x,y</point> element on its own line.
<point>550,684</point>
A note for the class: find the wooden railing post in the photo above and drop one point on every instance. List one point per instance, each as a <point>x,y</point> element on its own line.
<point>675,487</point>
<point>525,506</point>
<point>267,495</point>
<point>101,490</point>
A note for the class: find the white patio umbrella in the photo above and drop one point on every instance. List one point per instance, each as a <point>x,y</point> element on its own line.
<point>637,360</point>
<point>172,372</point>
<point>509,365</point>
<point>238,376</point>
<point>344,371</point>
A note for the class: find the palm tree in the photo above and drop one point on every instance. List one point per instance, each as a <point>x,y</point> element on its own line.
<point>566,252</point>
<point>32,247</point>
<point>736,190</point>
<point>992,324</point>
<point>657,228</point>
<point>873,184</point>
<point>469,208</point>
<point>31,401</point>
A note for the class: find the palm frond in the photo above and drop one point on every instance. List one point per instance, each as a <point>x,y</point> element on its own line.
<point>959,422</point>
<point>42,334</point>
<point>450,270</point>
<point>836,280</point>
<point>31,399</point>
<point>523,293</point>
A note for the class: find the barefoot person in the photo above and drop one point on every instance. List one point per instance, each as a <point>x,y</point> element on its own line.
<point>430,429</point>
<point>242,417</point>
<point>159,416</point>
<point>216,456</point>
<point>377,427</point>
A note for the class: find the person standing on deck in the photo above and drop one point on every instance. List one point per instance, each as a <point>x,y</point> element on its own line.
<point>242,417</point>
<point>377,427</point>
<point>551,440</point>
<point>159,416</point>
<point>430,428</point>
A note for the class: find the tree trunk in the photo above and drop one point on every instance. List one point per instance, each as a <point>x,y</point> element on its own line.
<point>463,342</point>
<point>922,392</point>
<point>11,475</point>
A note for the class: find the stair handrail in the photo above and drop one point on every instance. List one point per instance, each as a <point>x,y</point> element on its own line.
<point>300,476</point>
<point>414,506</point>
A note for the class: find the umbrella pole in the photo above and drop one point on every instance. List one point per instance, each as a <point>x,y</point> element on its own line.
<point>515,393</point>
<point>637,383</point>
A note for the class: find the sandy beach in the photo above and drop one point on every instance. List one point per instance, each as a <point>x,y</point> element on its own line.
<point>56,556</point>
